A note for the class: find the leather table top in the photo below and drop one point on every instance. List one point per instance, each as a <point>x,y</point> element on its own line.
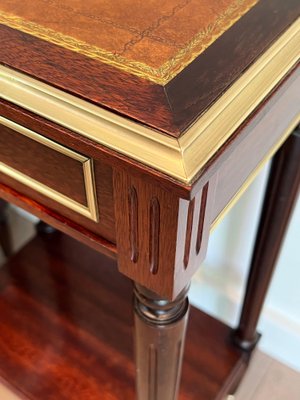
<point>154,39</point>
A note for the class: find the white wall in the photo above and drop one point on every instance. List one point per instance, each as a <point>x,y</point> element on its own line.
<point>219,284</point>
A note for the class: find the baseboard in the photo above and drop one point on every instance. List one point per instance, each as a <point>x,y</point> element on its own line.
<point>281,334</point>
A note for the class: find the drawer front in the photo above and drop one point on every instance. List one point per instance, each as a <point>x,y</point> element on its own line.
<point>49,168</point>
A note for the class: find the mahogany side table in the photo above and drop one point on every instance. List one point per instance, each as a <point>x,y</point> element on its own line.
<point>134,126</point>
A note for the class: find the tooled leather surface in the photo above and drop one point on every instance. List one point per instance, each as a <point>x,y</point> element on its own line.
<point>153,39</point>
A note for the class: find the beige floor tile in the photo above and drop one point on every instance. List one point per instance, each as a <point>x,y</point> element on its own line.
<point>279,383</point>
<point>257,370</point>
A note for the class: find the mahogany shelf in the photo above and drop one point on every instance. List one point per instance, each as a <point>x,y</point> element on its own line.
<point>66,330</point>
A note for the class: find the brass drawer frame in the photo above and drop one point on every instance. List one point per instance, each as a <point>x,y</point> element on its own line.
<point>91,210</point>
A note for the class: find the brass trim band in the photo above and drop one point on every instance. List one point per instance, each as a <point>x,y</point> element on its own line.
<point>254,174</point>
<point>91,210</point>
<point>182,158</point>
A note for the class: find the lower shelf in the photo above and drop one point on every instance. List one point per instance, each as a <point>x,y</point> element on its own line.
<point>66,330</point>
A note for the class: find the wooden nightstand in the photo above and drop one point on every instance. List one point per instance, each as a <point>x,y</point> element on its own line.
<point>134,127</point>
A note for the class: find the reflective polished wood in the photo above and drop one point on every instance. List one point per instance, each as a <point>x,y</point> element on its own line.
<point>171,109</point>
<point>66,329</point>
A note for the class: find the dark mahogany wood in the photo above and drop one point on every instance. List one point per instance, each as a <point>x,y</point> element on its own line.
<point>192,91</point>
<point>105,85</point>
<point>108,158</point>
<point>170,109</point>
<point>66,321</point>
<point>91,149</point>
<point>67,179</point>
<point>160,329</point>
<point>66,327</point>
<point>260,134</point>
<point>280,197</point>
<point>157,265</point>
<point>5,234</point>
<point>261,115</point>
<point>58,221</point>
<point>260,137</point>
<point>96,228</point>
<point>43,164</point>
<point>161,239</point>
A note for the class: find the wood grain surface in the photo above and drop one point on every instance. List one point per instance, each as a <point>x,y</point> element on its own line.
<point>246,153</point>
<point>89,148</point>
<point>166,250</point>
<point>66,327</point>
<point>43,164</point>
<point>60,222</point>
<point>203,81</point>
<point>161,239</point>
<point>171,108</point>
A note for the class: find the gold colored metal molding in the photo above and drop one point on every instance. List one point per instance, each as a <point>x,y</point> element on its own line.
<point>183,158</point>
<point>254,174</point>
<point>90,211</point>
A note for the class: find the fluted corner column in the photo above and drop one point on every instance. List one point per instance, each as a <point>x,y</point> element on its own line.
<point>160,327</point>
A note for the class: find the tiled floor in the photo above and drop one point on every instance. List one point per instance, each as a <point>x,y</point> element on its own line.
<point>267,379</point>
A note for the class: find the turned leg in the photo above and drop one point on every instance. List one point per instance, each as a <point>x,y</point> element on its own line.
<point>160,327</point>
<point>280,197</point>
<point>43,228</point>
<point>5,240</point>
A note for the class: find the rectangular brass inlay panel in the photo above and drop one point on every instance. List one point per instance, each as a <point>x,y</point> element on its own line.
<point>90,210</point>
<point>142,40</point>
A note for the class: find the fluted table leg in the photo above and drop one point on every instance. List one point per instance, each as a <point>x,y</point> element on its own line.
<point>280,197</point>
<point>160,327</point>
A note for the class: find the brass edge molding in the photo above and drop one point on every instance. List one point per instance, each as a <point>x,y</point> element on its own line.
<point>181,158</point>
<point>161,75</point>
<point>120,134</point>
<point>91,211</point>
<point>228,113</point>
<point>254,174</point>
